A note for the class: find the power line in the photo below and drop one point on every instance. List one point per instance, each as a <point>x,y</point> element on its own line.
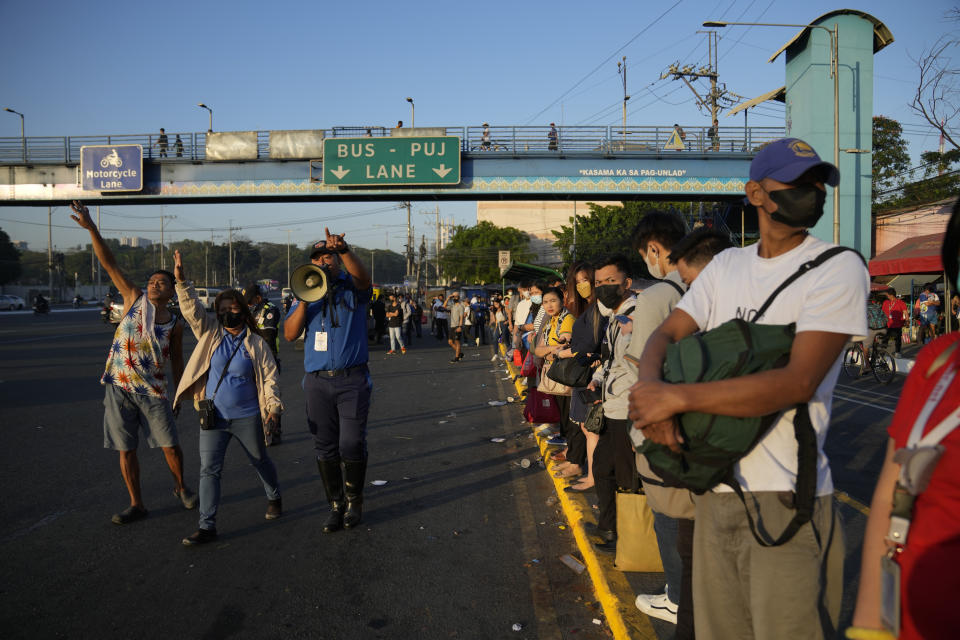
<point>608,59</point>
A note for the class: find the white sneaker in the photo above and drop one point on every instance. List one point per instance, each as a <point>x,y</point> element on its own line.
<point>658,606</point>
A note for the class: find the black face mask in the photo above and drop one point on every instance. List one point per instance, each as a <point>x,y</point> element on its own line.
<point>801,206</point>
<point>609,295</point>
<point>231,320</point>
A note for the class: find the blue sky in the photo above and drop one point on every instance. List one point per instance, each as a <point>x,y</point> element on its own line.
<point>124,67</point>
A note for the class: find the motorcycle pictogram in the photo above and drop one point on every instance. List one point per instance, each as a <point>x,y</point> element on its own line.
<point>112,160</point>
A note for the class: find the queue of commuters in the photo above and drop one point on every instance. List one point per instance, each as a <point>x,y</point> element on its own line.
<point>749,557</point>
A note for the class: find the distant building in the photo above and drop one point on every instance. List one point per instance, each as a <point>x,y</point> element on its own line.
<point>536,218</point>
<point>21,245</point>
<point>135,242</point>
<point>894,227</point>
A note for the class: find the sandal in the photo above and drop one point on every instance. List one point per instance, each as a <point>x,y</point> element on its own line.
<point>128,515</point>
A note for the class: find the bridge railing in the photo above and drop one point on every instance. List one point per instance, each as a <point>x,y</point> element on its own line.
<point>508,140</point>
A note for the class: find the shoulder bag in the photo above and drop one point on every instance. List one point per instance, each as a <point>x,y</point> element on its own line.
<point>205,408</point>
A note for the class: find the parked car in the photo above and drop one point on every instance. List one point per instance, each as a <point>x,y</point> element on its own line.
<point>207,296</point>
<point>11,302</point>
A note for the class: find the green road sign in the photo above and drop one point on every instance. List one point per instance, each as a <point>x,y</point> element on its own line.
<point>361,162</point>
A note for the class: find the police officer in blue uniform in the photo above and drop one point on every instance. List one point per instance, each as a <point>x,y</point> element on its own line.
<point>337,382</point>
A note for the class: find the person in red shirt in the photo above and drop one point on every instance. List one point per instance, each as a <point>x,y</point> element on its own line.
<point>929,557</point>
<point>896,311</point>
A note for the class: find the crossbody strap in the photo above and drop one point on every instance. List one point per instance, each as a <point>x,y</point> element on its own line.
<point>806,493</point>
<point>224,372</point>
<point>806,266</point>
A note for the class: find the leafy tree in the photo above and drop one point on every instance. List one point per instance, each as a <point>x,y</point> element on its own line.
<point>471,256</point>
<point>890,157</point>
<point>607,230</point>
<point>9,259</point>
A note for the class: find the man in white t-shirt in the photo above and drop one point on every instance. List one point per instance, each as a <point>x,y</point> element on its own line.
<point>741,588</point>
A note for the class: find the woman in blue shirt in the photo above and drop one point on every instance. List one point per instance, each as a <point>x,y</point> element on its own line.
<point>235,367</point>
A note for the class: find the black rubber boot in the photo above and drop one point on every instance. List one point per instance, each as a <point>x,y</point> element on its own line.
<point>333,485</point>
<point>354,471</point>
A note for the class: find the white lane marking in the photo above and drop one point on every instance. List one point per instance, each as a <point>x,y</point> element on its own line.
<point>866,404</point>
<point>849,388</point>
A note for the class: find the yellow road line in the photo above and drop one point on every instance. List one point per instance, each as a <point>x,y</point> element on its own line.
<point>611,587</point>
<point>613,592</point>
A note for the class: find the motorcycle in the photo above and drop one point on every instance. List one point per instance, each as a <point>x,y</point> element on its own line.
<point>41,306</point>
<point>111,312</point>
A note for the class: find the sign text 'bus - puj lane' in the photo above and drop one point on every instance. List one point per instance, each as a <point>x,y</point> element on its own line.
<point>117,167</point>
<point>391,161</point>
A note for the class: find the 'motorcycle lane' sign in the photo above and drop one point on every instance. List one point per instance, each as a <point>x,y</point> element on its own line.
<point>117,167</point>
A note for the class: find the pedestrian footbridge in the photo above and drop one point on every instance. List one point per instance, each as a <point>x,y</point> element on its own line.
<point>504,162</point>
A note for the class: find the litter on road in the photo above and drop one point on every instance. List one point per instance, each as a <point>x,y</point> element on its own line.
<point>498,439</point>
<point>573,563</point>
<point>497,403</point>
<point>378,483</point>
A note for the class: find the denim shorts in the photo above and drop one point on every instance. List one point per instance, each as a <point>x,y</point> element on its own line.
<point>125,414</point>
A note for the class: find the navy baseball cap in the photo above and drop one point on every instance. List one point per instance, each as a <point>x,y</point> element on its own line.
<point>319,249</point>
<point>787,159</point>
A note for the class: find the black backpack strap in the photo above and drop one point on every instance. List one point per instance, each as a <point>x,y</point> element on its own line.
<point>806,266</point>
<point>806,494</point>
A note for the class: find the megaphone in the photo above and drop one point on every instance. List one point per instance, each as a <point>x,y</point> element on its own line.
<point>309,283</point>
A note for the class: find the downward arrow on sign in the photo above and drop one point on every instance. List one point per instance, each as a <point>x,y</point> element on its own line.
<point>340,172</point>
<point>442,171</point>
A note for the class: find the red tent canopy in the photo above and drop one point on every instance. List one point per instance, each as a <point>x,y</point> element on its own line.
<point>916,255</point>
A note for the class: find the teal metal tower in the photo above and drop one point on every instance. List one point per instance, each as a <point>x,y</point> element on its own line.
<point>810,95</point>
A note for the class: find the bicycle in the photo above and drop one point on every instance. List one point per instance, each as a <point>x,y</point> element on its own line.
<point>856,360</point>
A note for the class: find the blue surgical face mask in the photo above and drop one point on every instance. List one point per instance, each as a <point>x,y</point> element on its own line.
<point>536,298</point>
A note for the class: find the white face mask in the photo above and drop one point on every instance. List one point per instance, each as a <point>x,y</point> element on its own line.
<point>653,267</point>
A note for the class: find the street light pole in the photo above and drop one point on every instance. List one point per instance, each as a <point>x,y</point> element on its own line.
<point>203,106</point>
<point>413,120</point>
<point>834,73</point>
<point>289,231</point>
<point>23,140</point>
<point>50,252</point>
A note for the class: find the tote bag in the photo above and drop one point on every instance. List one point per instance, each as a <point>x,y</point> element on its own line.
<point>637,548</point>
<point>541,408</point>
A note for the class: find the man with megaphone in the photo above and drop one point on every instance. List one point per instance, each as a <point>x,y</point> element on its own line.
<point>332,296</point>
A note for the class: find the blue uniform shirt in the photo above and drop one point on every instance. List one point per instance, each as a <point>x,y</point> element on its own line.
<point>237,395</point>
<point>346,344</point>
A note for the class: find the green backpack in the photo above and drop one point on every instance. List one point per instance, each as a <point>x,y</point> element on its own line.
<point>712,444</point>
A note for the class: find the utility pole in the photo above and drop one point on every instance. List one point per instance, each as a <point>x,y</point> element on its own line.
<point>573,247</point>
<point>437,247</point>
<point>163,261</point>
<point>99,296</point>
<point>409,241</point>
<point>717,93</point>
<point>373,265</point>
<point>230,257</point>
<point>622,70</point>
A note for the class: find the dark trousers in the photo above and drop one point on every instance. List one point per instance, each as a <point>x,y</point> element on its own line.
<point>442,328</point>
<point>576,441</point>
<point>613,467</point>
<point>685,609</point>
<point>408,332</point>
<point>897,334</point>
<point>337,413</point>
<point>479,332</point>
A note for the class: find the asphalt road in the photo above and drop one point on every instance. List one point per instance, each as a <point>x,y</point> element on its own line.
<point>461,541</point>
